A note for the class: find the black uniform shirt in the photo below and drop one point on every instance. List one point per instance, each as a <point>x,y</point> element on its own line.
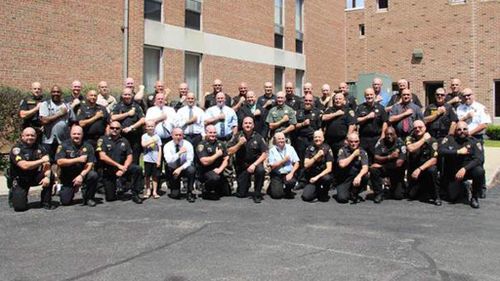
<point>397,97</point>
<point>206,148</point>
<point>118,149</point>
<point>320,165</point>
<point>336,129</point>
<point>382,148</point>
<point>21,151</point>
<point>97,128</point>
<point>314,116</point>
<point>263,99</point>
<point>449,146</point>
<point>69,99</point>
<point>251,150</point>
<point>245,110</point>
<point>427,151</point>
<point>28,104</point>
<point>130,120</point>
<point>356,165</point>
<point>351,102</point>
<point>211,101</point>
<point>440,127</point>
<point>372,127</point>
<point>294,102</point>
<point>69,150</point>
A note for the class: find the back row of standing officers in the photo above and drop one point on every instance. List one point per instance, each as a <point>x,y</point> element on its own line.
<point>318,143</point>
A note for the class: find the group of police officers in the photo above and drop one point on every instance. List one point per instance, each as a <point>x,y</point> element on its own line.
<point>315,143</point>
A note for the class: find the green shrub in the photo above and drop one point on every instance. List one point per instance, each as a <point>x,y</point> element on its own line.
<point>493,132</point>
<point>10,122</point>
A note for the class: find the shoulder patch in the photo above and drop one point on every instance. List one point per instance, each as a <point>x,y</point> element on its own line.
<point>16,150</point>
<point>200,147</point>
<point>341,151</point>
<point>59,148</point>
<point>479,146</point>
<point>403,149</point>
<point>435,145</point>
<point>445,140</point>
<point>351,112</point>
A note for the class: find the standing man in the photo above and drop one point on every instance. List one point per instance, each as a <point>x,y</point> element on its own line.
<point>54,116</point>
<point>338,121</point>
<point>179,102</point>
<point>266,102</point>
<point>281,118</point>
<point>388,161</point>
<point>76,97</point>
<point>210,98</point>
<point>76,158</point>
<point>159,87</point>
<point>116,155</point>
<point>179,156</point>
<point>131,118</point>
<point>422,158</point>
<point>105,98</point>
<point>190,119</point>
<point>325,100</point>
<point>284,163</point>
<point>29,107</point>
<point>350,100</point>
<point>29,166</point>
<point>477,119</point>
<point>463,158</point>
<point>440,117</point>
<point>138,97</point>
<point>381,96</point>
<point>163,116</point>
<point>93,118</point>
<point>453,97</point>
<point>398,97</point>
<point>404,113</point>
<point>252,109</point>
<point>318,164</point>
<point>292,100</point>
<point>213,157</point>
<point>223,118</point>
<point>352,176</point>
<point>250,149</point>
<point>372,121</point>
<point>241,97</point>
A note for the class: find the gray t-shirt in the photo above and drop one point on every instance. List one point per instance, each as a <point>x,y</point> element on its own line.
<point>58,129</point>
<point>151,152</point>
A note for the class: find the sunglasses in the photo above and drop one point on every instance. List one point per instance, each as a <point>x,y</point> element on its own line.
<point>440,95</point>
<point>56,92</point>
<point>114,128</point>
<point>466,96</point>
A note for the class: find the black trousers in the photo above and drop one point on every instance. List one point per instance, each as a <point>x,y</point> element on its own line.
<point>135,144</point>
<point>396,177</point>
<point>133,174</point>
<point>426,182</point>
<point>455,188</point>
<point>89,186</point>
<point>21,187</point>
<point>244,180</point>
<point>279,186</point>
<point>194,139</point>
<point>368,144</point>
<point>318,189</point>
<point>215,185</point>
<point>174,183</point>
<point>345,189</point>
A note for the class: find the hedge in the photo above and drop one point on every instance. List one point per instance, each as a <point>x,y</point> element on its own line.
<point>493,132</point>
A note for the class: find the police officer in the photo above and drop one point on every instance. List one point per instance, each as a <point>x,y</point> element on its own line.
<point>352,177</point>
<point>250,150</point>
<point>281,118</point>
<point>318,165</point>
<point>350,100</point>
<point>29,166</point>
<point>237,101</point>
<point>252,109</point>
<point>159,87</point>
<point>404,113</point>
<point>388,161</point>
<point>372,121</point>
<point>115,154</point>
<point>93,118</point>
<point>398,97</point>
<point>463,158</point>
<point>76,158</point>
<point>453,98</point>
<point>477,119</point>
<point>213,157</point>
<point>131,118</point>
<point>29,107</point>
<point>179,157</point>
<point>308,121</point>
<point>292,100</point>
<point>284,163</point>
<point>323,102</point>
<point>210,98</point>
<point>76,98</point>
<point>440,117</point>
<point>422,158</point>
<point>338,122</point>
<point>105,98</point>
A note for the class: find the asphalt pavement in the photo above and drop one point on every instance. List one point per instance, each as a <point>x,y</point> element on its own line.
<point>235,239</point>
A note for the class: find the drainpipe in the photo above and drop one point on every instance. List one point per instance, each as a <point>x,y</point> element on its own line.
<point>125,38</point>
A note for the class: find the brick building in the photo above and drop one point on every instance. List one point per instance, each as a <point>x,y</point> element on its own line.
<point>197,41</point>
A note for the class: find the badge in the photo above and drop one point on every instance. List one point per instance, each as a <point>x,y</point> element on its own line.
<point>445,140</point>
<point>16,150</point>
<point>468,146</point>
<point>122,144</point>
<point>351,112</point>
<point>403,149</point>
<point>99,142</point>
<point>340,152</point>
<point>200,148</point>
<point>435,145</point>
<point>376,110</point>
<point>72,154</point>
<point>84,149</point>
<point>18,158</point>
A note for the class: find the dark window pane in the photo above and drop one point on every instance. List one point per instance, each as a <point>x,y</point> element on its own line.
<point>278,41</point>
<point>152,10</point>
<point>193,20</point>
<point>383,4</point>
<point>298,46</point>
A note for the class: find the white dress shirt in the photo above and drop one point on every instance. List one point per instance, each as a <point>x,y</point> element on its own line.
<point>165,127</point>
<point>172,157</point>
<point>184,114</point>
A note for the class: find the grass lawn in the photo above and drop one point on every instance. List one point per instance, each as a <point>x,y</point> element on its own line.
<point>492,143</point>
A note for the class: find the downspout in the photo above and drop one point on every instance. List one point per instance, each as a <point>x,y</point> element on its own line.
<point>125,38</point>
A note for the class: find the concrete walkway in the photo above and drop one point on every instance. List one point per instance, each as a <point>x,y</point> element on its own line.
<point>492,167</point>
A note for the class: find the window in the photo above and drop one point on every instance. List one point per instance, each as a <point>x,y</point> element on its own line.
<point>497,98</point>
<point>193,14</point>
<point>192,72</point>
<point>299,78</point>
<point>382,4</point>
<point>278,24</point>
<point>152,67</point>
<point>278,78</point>
<point>152,9</point>
<point>299,26</point>
<point>355,4</point>
<point>361,30</point>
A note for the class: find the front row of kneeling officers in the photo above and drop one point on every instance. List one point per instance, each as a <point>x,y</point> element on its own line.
<point>420,157</point>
